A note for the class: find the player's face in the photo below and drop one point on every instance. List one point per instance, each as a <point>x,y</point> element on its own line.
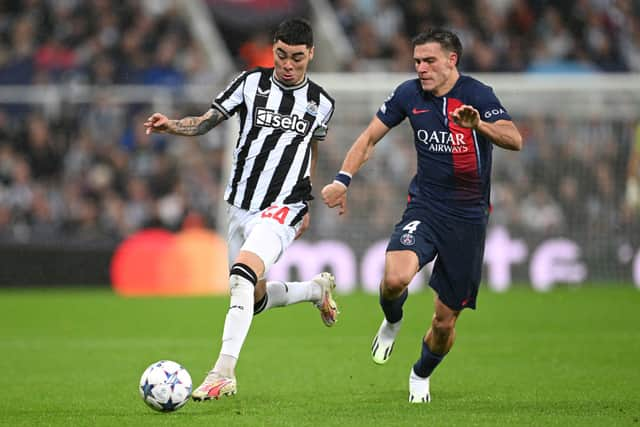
<point>436,67</point>
<point>291,62</point>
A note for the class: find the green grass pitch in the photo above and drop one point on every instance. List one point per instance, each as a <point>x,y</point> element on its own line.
<point>568,357</point>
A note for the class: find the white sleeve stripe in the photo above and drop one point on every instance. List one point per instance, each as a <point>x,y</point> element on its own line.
<point>221,109</point>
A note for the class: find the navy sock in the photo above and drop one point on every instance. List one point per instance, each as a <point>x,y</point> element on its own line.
<point>259,306</point>
<point>427,362</point>
<point>393,308</point>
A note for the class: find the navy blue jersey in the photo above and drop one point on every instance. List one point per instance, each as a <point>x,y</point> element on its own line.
<point>454,163</point>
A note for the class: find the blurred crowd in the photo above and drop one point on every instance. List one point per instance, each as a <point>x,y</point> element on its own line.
<point>499,35</point>
<point>94,177</point>
<point>570,179</point>
<point>95,42</point>
<point>89,173</point>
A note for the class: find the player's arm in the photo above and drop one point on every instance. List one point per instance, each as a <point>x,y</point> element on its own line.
<point>335,194</point>
<point>188,126</point>
<point>502,133</point>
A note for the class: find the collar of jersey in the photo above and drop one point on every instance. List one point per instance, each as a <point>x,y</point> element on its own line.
<point>285,87</point>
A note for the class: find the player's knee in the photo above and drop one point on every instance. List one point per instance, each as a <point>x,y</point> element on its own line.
<point>242,278</point>
<point>396,282</point>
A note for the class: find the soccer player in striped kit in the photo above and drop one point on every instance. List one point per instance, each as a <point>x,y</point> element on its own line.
<point>456,120</point>
<point>283,115</point>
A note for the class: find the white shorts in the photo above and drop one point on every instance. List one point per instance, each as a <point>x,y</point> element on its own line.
<point>266,233</point>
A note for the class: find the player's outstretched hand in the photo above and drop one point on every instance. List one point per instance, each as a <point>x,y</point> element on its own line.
<point>156,123</point>
<point>466,116</point>
<point>335,194</point>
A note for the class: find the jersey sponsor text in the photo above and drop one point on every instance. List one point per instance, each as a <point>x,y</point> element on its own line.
<point>269,118</point>
<point>442,141</point>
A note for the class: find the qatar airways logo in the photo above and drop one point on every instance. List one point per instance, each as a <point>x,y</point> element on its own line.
<point>440,141</point>
<point>272,119</point>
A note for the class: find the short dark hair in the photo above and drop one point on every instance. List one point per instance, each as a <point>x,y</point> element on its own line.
<point>448,40</point>
<point>294,31</point>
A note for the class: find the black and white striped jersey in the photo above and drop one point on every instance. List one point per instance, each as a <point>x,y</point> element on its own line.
<point>272,157</point>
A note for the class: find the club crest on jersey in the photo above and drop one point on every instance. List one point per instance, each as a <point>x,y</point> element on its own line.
<point>408,239</point>
<point>272,119</point>
<point>312,108</point>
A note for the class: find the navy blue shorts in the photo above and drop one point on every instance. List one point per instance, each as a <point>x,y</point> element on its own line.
<point>460,249</point>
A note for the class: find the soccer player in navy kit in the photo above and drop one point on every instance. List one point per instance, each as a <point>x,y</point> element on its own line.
<point>456,120</point>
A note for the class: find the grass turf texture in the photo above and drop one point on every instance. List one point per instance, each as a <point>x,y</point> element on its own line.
<point>569,357</point>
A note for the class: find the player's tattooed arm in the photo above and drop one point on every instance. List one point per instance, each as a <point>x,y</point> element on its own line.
<point>191,126</point>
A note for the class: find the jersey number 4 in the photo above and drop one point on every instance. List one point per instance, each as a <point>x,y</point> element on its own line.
<point>279,213</point>
<point>411,227</point>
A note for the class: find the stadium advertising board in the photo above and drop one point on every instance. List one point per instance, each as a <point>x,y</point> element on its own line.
<point>194,262</point>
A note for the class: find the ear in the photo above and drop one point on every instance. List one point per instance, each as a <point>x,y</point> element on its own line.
<point>453,59</point>
<point>311,51</point>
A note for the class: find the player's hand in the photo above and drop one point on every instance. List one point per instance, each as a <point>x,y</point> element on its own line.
<point>156,123</point>
<point>335,194</point>
<point>466,116</point>
<point>306,219</point>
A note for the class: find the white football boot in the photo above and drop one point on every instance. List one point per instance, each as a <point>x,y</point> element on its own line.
<point>215,386</point>
<point>382,345</point>
<point>327,305</point>
<point>418,389</point>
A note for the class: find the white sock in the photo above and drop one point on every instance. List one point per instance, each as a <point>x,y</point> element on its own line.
<point>237,322</point>
<point>225,366</point>
<point>389,331</point>
<point>280,294</point>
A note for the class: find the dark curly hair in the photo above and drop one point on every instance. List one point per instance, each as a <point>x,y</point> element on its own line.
<point>295,31</point>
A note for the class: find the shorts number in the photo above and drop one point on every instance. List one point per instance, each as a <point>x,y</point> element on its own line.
<point>276,212</point>
<point>411,227</point>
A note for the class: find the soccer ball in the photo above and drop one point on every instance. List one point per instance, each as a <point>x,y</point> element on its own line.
<point>165,386</point>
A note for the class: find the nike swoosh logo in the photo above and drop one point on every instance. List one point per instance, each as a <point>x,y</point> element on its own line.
<point>416,111</point>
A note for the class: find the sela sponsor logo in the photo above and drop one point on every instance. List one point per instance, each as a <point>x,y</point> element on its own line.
<point>442,141</point>
<point>272,119</point>
<point>494,112</point>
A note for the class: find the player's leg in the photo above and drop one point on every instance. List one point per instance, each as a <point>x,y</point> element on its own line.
<point>247,264</point>
<point>243,278</point>
<point>435,346</point>
<point>456,279</point>
<point>400,268</point>
<point>318,291</point>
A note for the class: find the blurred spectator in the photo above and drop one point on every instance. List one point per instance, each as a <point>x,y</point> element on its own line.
<point>632,194</point>
<point>540,213</point>
<point>240,21</point>
<point>257,51</point>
